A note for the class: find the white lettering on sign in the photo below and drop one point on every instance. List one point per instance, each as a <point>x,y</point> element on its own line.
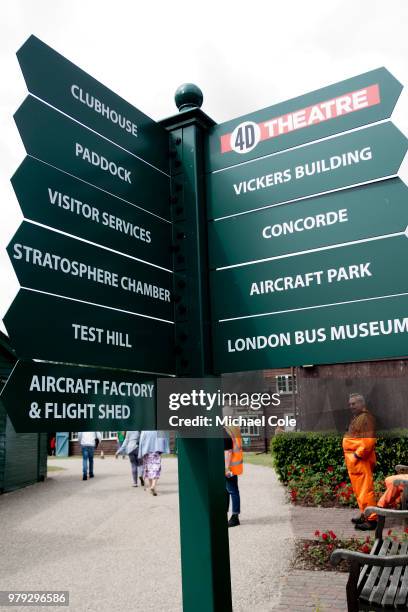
<point>299,172</point>
<point>245,137</point>
<point>308,279</point>
<point>88,211</point>
<point>68,384</point>
<point>79,269</point>
<point>336,333</point>
<point>86,333</point>
<point>103,109</point>
<point>306,117</point>
<point>104,164</point>
<point>305,223</point>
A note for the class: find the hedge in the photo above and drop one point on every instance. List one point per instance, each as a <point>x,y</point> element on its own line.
<point>320,451</point>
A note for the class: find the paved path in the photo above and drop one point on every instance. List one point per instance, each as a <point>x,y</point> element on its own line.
<point>117,548</point>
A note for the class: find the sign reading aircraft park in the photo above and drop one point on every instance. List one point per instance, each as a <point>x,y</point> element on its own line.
<point>93,256</point>
<point>308,223</point>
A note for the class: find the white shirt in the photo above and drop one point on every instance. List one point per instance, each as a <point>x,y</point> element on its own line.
<point>87,438</point>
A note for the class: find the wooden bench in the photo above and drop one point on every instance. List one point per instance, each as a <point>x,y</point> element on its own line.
<point>377,580</point>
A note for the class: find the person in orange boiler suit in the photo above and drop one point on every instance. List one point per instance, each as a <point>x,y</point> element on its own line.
<point>359,453</point>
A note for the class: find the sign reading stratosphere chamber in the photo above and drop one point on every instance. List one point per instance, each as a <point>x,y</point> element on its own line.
<point>305,236</point>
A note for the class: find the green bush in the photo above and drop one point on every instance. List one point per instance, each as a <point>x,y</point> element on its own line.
<point>320,451</point>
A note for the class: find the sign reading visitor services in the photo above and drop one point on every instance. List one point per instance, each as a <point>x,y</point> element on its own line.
<point>307,223</point>
<point>97,280</point>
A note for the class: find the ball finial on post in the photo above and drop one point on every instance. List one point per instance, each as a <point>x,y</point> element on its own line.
<point>188,96</point>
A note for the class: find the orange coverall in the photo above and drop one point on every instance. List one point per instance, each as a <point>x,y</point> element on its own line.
<point>360,441</point>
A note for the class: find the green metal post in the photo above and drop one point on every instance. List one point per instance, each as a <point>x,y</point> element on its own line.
<point>203,518</point>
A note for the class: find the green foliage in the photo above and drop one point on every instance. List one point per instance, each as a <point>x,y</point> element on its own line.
<point>318,452</point>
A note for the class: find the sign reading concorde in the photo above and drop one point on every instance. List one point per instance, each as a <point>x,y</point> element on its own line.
<point>299,277</point>
<point>96,282</point>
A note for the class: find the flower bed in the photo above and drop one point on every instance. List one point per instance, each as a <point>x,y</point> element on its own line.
<point>314,554</point>
<point>328,489</point>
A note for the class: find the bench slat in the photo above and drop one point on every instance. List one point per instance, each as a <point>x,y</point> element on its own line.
<point>375,571</point>
<point>378,591</point>
<point>366,568</point>
<point>401,598</point>
<point>389,595</point>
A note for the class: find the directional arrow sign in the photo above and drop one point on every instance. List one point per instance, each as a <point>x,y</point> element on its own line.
<point>52,328</point>
<point>51,262</point>
<point>352,214</point>
<point>358,157</point>
<point>57,140</point>
<point>360,331</point>
<point>53,78</point>
<point>342,274</point>
<point>45,397</point>
<point>55,198</point>
<point>358,101</point>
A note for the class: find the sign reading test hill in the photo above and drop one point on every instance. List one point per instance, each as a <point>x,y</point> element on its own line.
<point>306,238</point>
<point>97,280</point>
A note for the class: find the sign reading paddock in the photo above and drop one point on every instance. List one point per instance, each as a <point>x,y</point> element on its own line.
<point>351,159</point>
<point>358,101</point>
<point>61,142</point>
<point>53,78</point>
<point>45,397</point>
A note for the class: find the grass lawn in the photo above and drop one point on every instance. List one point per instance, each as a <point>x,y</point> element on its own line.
<point>255,459</point>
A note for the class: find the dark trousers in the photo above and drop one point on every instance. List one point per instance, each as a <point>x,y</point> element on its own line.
<point>233,493</point>
<point>133,458</point>
<point>87,455</point>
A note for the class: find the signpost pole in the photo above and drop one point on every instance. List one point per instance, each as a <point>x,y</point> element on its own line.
<point>203,526</point>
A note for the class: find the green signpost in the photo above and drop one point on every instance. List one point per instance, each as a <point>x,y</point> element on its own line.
<point>283,227</point>
<point>54,198</point>
<point>46,397</point>
<point>54,263</point>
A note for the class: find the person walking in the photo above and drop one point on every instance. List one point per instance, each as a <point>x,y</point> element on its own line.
<point>130,446</point>
<point>359,453</point>
<point>88,440</point>
<point>234,466</point>
<point>151,446</point>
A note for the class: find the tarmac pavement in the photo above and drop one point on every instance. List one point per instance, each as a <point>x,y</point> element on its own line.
<point>115,547</point>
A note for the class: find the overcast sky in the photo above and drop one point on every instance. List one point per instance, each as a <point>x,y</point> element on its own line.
<point>243,55</point>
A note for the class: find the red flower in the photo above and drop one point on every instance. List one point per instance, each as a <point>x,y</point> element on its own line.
<point>317,533</point>
<point>406,530</point>
<point>302,470</point>
<point>330,468</point>
<point>343,484</point>
<point>325,536</point>
<point>332,535</point>
<point>330,546</point>
<point>365,548</point>
<point>389,532</point>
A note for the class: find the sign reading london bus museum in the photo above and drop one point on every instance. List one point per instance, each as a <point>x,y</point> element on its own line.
<point>307,223</point>
<point>93,256</point>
